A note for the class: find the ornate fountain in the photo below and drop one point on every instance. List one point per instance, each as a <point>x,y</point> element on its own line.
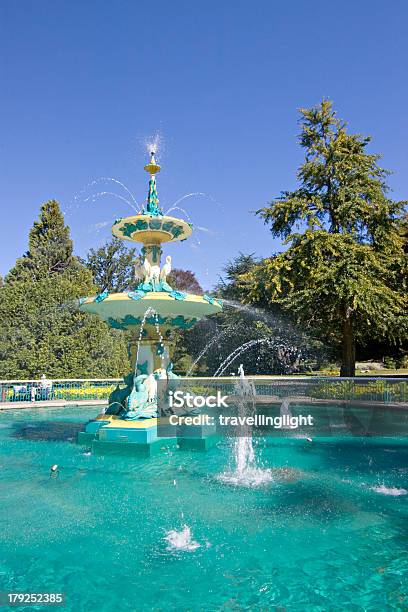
<point>152,311</point>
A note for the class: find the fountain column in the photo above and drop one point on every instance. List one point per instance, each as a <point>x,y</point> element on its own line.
<point>154,352</point>
<point>153,253</point>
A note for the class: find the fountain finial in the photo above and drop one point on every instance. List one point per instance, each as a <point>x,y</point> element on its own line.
<point>151,232</point>
<point>152,167</point>
<point>152,206</point>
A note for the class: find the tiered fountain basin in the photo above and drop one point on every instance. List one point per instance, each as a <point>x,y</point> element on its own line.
<point>150,229</point>
<point>153,310</point>
<point>174,309</point>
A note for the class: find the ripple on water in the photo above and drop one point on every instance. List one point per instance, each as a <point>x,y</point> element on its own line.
<point>257,477</point>
<point>251,477</point>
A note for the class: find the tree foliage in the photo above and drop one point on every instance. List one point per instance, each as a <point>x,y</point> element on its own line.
<point>184,280</point>
<point>42,329</point>
<point>270,344</point>
<point>228,286</point>
<point>344,272</point>
<point>112,266</point>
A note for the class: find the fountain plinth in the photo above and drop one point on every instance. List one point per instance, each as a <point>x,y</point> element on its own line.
<point>152,310</point>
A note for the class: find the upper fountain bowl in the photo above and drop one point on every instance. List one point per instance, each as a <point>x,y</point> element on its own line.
<point>152,167</point>
<point>150,229</point>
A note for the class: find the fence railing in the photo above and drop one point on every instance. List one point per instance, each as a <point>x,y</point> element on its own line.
<point>46,390</point>
<point>386,390</point>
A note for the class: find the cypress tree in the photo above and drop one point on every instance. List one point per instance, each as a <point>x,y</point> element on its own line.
<point>42,329</point>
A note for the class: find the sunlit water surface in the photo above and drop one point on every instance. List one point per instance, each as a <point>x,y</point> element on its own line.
<point>326,529</point>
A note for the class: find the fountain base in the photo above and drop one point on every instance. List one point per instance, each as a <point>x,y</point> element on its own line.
<point>112,435</point>
<point>150,449</point>
<point>109,434</point>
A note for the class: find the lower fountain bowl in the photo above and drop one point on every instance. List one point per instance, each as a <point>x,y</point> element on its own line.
<point>121,311</point>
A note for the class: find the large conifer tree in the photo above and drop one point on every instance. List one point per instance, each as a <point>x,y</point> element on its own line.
<point>344,271</point>
<point>42,330</point>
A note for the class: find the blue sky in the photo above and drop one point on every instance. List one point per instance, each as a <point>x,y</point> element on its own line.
<point>84,84</point>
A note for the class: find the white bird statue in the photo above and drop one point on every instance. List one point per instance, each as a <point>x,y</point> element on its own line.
<point>146,268</point>
<point>139,270</point>
<point>166,269</point>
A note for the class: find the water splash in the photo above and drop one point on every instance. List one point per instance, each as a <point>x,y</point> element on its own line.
<point>181,210</point>
<point>197,194</point>
<point>285,411</point>
<point>238,352</point>
<point>246,473</point>
<point>207,347</point>
<point>195,243</point>
<point>116,182</point>
<point>394,491</point>
<point>154,143</point>
<point>205,230</point>
<point>181,540</point>
<point>279,323</point>
<point>97,227</point>
<point>160,336</point>
<point>282,345</point>
<point>153,313</point>
<point>290,346</point>
<point>100,194</point>
<point>84,196</point>
<point>149,312</point>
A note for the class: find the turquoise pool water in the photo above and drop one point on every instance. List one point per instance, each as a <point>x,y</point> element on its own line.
<point>329,532</point>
